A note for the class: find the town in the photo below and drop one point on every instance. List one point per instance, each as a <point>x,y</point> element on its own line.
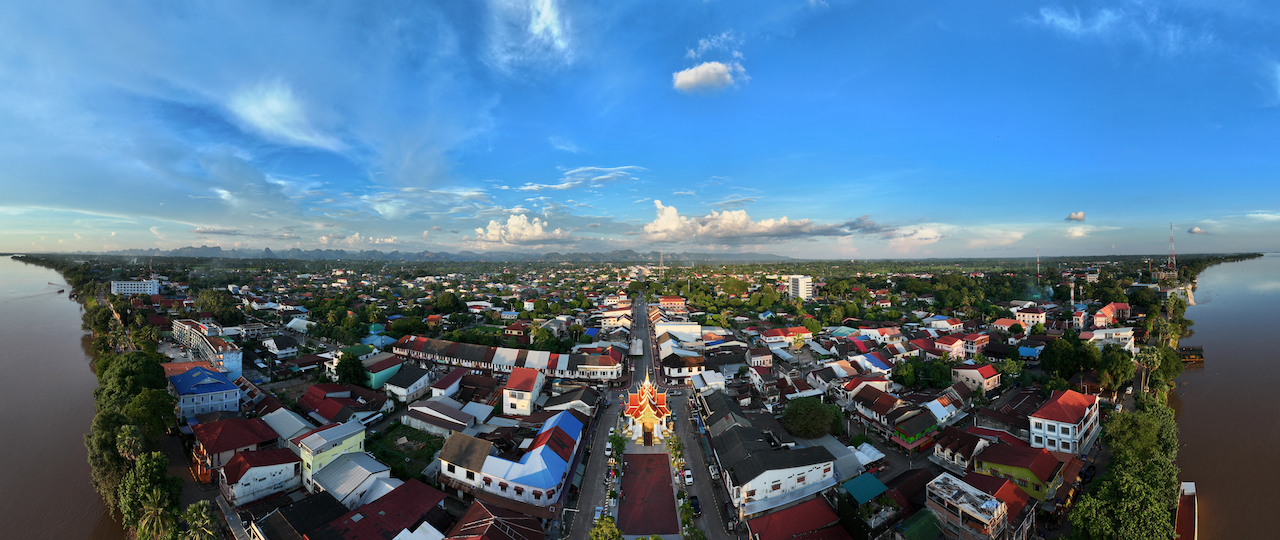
<point>829,400</point>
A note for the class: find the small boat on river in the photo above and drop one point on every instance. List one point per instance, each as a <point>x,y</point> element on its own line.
<point>1185,524</point>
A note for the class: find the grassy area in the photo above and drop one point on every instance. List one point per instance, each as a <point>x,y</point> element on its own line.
<point>384,447</point>
<point>486,329</point>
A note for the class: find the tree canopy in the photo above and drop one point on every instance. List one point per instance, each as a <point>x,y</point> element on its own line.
<point>809,418</point>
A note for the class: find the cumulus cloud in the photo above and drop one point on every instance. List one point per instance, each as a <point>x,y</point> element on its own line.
<point>708,77</point>
<point>1197,230</point>
<point>355,240</point>
<point>730,226</point>
<point>591,177</point>
<point>1075,216</point>
<point>521,230</point>
<point>272,109</point>
<point>918,237</point>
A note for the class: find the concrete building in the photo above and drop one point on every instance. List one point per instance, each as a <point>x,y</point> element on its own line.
<point>205,342</point>
<point>966,512</point>
<point>1068,422</point>
<point>523,387</point>
<point>250,476</point>
<point>127,288</point>
<point>199,391</point>
<point>801,287</point>
<point>321,446</point>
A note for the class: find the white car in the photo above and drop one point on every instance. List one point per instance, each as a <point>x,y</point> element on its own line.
<point>688,477</point>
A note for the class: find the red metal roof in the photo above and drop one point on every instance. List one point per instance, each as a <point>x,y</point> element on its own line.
<point>1065,406</point>
<point>233,433</point>
<point>243,461</point>
<point>1037,460</point>
<point>803,519</point>
<point>403,508</point>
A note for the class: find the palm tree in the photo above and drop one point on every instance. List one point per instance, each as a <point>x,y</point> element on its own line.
<point>1149,359</point>
<point>201,522</point>
<point>130,442</point>
<point>156,521</point>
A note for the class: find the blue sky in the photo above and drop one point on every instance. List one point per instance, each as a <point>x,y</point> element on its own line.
<point>823,129</point>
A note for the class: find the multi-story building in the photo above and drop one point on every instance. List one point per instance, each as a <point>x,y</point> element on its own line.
<point>1029,317</point>
<point>975,344</point>
<point>523,387</point>
<point>801,287</point>
<point>1035,470</point>
<point>250,476</point>
<point>199,390</point>
<point>604,367</point>
<point>1067,422</point>
<point>205,342</point>
<point>322,445</point>
<point>146,286</point>
<point>980,379</point>
<point>966,512</point>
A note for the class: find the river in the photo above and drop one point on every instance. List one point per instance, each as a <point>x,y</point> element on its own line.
<point>1229,410</point>
<point>46,393</point>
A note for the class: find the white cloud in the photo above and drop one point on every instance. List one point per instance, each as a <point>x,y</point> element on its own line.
<point>1086,230</point>
<point>523,32</point>
<point>1138,22</point>
<point>920,236</point>
<point>592,177</point>
<point>519,229</point>
<point>1197,230</point>
<point>156,231</point>
<point>724,41</point>
<point>992,237</point>
<point>1076,216</point>
<point>733,202</point>
<point>707,76</point>
<point>271,109</point>
<point>1265,216</point>
<point>685,192</point>
<point>564,145</point>
<point>731,226</point>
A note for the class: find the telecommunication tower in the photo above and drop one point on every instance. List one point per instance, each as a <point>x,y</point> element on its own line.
<point>1173,258</point>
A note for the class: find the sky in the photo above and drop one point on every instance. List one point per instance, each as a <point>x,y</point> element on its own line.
<point>808,128</point>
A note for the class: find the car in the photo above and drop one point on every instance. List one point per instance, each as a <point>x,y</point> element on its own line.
<point>1089,472</point>
<point>715,472</point>
<point>697,507</point>
<point>599,512</point>
<point>688,477</point>
<point>608,449</point>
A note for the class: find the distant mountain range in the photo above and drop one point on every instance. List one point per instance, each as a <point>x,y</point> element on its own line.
<point>463,256</point>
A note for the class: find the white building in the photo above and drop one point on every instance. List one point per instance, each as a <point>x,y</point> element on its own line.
<point>250,476</point>
<point>205,343</point>
<point>199,391</point>
<point>408,384</point>
<point>522,390</point>
<point>802,287</point>
<point>147,287</point>
<point>1068,422</point>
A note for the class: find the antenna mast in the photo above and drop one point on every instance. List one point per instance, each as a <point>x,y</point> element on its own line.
<point>1173,258</point>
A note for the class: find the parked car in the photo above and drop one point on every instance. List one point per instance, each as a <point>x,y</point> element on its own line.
<point>714,471</point>
<point>693,503</point>
<point>1089,472</point>
<point>688,477</point>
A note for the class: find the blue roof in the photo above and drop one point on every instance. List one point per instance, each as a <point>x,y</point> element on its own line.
<point>200,380</point>
<point>395,317</point>
<point>1029,351</point>
<point>378,341</point>
<point>864,487</point>
<point>592,332</point>
<point>566,422</point>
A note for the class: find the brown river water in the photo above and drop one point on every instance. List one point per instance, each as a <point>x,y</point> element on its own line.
<point>46,395</point>
<point>1228,410</point>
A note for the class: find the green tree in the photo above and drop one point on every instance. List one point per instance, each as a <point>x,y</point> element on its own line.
<point>813,325</point>
<point>350,370</point>
<point>150,472</point>
<point>1015,329</point>
<point>807,418</point>
<point>1037,329</point>
<point>107,468</point>
<point>152,410</point>
<point>1115,367</point>
<point>735,286</point>
<point>130,442</point>
<point>156,520</point>
<point>202,522</point>
<point>605,529</point>
<point>1123,507</point>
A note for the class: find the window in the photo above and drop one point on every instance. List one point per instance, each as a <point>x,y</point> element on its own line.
<point>471,475</point>
<point>1052,428</point>
<point>751,493</point>
<point>776,486</point>
<point>826,470</point>
<point>1066,446</point>
<point>1053,443</point>
<point>1039,425</point>
<point>1037,486</point>
<point>511,405</point>
<point>1066,430</point>
<point>1039,439</point>
<point>452,468</point>
<point>800,480</point>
